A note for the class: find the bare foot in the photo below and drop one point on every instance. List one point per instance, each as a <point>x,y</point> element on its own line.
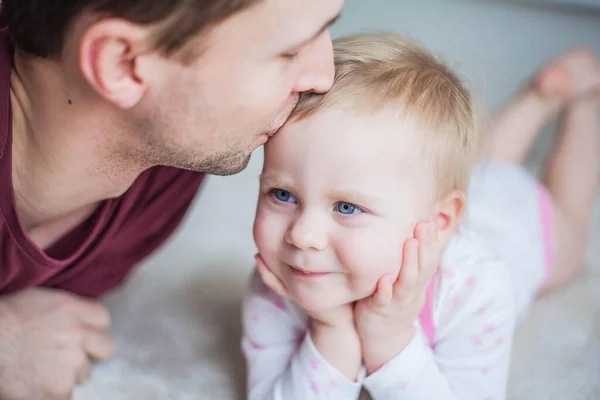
<point>572,75</point>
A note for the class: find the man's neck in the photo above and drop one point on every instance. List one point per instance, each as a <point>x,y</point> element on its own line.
<point>64,158</point>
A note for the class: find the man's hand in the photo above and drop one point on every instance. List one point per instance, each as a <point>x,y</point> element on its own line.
<point>385,321</point>
<point>48,340</point>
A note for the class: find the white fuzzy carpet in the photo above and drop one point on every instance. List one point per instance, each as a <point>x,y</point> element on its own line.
<point>177,325</point>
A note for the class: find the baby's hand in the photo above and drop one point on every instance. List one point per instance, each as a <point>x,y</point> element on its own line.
<point>333,332</point>
<point>385,321</point>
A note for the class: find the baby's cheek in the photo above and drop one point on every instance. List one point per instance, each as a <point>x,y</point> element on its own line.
<point>268,236</point>
<point>267,230</point>
<point>368,260</point>
<point>367,264</point>
<point>364,283</point>
<point>362,287</point>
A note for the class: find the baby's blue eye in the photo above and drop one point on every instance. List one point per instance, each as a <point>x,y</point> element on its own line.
<point>284,196</point>
<point>347,208</point>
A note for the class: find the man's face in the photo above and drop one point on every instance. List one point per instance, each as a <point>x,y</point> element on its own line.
<point>212,114</point>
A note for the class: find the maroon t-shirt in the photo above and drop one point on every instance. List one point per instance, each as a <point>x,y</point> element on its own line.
<point>99,253</point>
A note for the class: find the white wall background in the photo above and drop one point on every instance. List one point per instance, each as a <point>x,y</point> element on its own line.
<point>495,43</point>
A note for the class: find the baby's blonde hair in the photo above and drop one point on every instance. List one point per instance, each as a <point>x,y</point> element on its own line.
<point>376,71</point>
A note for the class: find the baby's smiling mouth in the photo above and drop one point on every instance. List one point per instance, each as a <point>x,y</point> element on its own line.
<point>304,273</point>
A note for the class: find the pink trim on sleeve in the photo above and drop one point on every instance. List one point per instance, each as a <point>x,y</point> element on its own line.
<point>426,316</point>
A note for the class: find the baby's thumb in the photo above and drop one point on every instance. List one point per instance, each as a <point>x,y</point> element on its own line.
<point>383,292</point>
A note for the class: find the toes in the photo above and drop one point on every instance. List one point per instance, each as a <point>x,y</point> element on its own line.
<point>574,74</point>
<point>554,81</point>
<point>581,53</point>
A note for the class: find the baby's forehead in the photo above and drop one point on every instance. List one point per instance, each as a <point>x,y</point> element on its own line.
<point>381,141</point>
<point>385,125</point>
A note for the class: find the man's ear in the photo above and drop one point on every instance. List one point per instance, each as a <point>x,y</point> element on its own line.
<point>448,213</point>
<point>108,55</point>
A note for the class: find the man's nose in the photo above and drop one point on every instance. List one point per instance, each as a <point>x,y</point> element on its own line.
<point>318,69</point>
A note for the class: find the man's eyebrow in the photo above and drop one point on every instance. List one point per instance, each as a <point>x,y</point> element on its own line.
<point>327,25</point>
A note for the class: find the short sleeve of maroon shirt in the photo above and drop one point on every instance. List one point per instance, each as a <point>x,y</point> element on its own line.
<point>98,254</point>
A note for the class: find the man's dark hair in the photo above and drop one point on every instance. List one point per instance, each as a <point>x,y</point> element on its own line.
<point>39,27</point>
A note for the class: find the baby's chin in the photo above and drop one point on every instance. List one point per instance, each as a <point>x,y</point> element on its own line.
<point>314,306</point>
<point>313,309</point>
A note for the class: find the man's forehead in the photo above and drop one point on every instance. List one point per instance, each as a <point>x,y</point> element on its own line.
<point>286,20</point>
<point>317,12</point>
<point>317,9</point>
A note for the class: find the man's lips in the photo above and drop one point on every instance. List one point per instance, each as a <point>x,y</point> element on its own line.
<point>284,114</point>
<point>272,133</point>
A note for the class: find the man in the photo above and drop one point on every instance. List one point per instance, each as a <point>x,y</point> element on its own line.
<point>112,110</point>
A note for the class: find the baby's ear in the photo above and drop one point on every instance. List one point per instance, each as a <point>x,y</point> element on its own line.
<point>448,212</point>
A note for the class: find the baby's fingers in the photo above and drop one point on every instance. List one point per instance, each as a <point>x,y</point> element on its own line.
<point>269,278</point>
<point>383,292</point>
<point>409,271</point>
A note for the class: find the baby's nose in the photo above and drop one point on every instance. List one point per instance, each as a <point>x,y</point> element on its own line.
<point>307,232</point>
